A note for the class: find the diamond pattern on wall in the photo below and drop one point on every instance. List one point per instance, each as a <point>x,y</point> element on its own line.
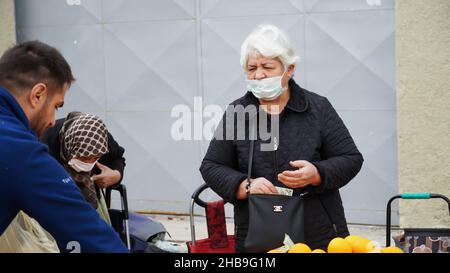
<point>153,172</point>
<point>361,89</point>
<point>386,169</point>
<point>381,61</point>
<point>327,62</point>
<point>233,8</point>
<point>347,5</point>
<point>371,128</point>
<point>32,13</point>
<point>359,33</point>
<point>87,93</point>
<point>158,72</point>
<point>374,132</point>
<point>353,38</point>
<point>144,10</point>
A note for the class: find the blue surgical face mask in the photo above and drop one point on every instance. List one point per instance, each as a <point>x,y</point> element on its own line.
<point>266,89</point>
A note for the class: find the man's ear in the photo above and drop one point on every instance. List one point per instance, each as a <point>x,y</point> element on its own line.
<point>38,94</point>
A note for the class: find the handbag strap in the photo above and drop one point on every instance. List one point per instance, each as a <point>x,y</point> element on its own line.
<point>252,147</point>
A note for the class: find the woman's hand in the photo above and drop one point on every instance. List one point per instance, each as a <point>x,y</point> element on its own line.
<point>258,185</point>
<point>107,177</point>
<point>307,174</point>
<point>262,185</point>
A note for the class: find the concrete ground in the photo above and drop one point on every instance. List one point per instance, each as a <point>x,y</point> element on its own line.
<point>179,229</point>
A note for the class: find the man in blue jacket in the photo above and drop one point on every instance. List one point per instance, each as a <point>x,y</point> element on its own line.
<point>34,78</point>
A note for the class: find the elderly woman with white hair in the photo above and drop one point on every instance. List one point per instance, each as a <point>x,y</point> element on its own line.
<point>314,152</point>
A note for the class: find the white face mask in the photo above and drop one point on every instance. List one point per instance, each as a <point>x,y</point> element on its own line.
<point>266,89</point>
<point>80,166</point>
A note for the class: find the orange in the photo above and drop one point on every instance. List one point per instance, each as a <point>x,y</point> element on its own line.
<point>375,250</point>
<point>362,245</point>
<point>352,238</point>
<point>391,249</point>
<point>299,248</point>
<point>339,245</point>
<point>318,251</point>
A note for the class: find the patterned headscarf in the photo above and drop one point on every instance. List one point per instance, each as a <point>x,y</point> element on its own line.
<point>83,135</point>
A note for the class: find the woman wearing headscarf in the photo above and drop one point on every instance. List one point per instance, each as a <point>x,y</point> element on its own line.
<point>84,140</point>
<point>313,153</point>
<point>109,169</point>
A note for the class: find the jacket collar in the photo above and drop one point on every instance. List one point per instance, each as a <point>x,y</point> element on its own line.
<point>8,102</point>
<point>297,100</point>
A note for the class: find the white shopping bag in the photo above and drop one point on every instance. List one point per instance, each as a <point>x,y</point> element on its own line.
<point>25,235</point>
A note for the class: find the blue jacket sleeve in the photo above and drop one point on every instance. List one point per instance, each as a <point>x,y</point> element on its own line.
<point>46,192</point>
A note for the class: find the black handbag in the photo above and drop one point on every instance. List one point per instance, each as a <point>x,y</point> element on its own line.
<point>271,216</point>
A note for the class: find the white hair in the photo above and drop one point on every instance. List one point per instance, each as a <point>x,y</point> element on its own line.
<point>270,42</point>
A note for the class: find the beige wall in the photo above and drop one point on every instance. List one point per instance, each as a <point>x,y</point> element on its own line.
<point>423,108</point>
<point>7,25</point>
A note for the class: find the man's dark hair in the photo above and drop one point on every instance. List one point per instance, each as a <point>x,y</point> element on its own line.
<point>26,64</point>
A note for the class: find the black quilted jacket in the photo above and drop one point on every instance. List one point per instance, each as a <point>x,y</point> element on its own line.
<point>310,129</point>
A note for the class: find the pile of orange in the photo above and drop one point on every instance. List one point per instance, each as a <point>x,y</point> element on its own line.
<point>363,245</point>
<point>351,244</point>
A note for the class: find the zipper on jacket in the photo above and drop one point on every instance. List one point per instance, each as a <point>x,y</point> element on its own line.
<point>275,160</point>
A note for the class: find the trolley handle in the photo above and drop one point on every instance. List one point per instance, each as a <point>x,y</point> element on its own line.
<point>196,196</point>
<point>195,199</point>
<point>409,195</point>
